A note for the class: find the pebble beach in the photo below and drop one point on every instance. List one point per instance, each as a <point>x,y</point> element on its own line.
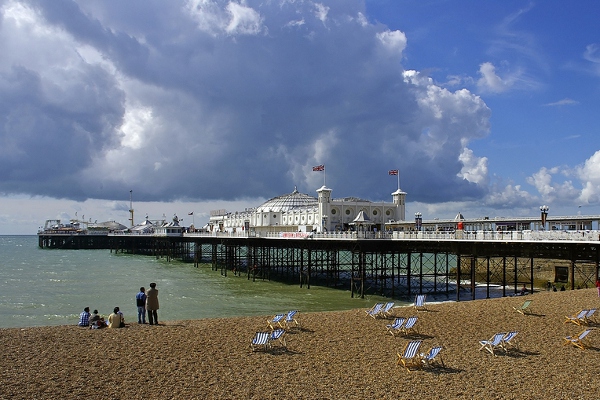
<point>332,355</point>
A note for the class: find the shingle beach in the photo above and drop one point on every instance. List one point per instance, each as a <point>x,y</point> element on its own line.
<point>333,355</point>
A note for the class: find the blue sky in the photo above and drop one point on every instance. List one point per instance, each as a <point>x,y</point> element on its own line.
<point>486,108</point>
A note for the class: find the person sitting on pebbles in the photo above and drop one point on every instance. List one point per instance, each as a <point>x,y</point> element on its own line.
<point>96,321</point>
<point>116,319</point>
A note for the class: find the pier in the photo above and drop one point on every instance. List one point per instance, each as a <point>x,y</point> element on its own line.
<point>396,265</point>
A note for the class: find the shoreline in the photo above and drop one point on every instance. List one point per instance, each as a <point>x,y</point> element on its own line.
<point>340,354</point>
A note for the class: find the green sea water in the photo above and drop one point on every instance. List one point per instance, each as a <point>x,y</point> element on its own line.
<point>51,287</point>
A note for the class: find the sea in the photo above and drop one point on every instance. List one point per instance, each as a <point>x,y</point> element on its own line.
<point>46,287</point>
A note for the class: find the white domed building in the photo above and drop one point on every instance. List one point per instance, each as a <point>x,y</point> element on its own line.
<point>298,212</point>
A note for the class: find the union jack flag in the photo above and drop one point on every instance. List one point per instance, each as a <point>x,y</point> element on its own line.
<point>393,172</point>
<point>319,168</point>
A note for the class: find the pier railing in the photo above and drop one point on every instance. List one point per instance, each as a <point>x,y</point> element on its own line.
<point>425,235</point>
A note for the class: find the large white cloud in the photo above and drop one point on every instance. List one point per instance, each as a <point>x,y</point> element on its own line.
<point>217,99</point>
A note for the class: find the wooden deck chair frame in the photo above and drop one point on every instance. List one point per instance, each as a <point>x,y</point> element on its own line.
<point>420,302</point>
<point>410,357</point>
<point>580,340</point>
<point>524,309</point>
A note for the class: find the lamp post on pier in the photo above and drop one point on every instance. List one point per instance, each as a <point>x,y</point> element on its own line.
<point>544,210</point>
<point>418,220</point>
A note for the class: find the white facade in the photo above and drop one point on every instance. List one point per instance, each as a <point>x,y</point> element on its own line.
<point>297,212</point>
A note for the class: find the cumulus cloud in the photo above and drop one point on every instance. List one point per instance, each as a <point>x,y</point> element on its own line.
<point>589,174</point>
<point>493,81</point>
<point>219,100</point>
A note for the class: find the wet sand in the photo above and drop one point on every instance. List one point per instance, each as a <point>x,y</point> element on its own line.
<point>333,355</point>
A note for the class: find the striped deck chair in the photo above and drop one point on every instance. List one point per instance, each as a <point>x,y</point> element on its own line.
<point>276,320</point>
<point>420,302</point>
<point>290,319</point>
<point>386,311</point>
<point>409,327</point>
<point>589,316</point>
<point>375,310</point>
<point>493,344</point>
<point>579,341</point>
<point>396,326</point>
<point>261,341</point>
<point>509,341</point>
<point>578,319</point>
<point>410,357</point>
<point>431,359</point>
<point>524,309</point>
<point>278,335</point>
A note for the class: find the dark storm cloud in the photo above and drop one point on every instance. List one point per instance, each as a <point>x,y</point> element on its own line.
<point>221,100</point>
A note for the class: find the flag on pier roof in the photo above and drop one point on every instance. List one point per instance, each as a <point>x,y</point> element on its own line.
<point>393,172</point>
<point>191,213</point>
<point>319,168</point>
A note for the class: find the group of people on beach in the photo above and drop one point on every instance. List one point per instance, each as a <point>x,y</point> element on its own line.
<point>95,321</point>
<point>146,301</point>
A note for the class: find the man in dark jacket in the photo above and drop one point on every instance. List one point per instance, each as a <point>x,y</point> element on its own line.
<point>140,301</point>
<point>152,304</point>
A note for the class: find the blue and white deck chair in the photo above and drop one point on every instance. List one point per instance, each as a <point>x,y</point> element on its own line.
<point>278,335</point>
<point>588,317</point>
<point>375,310</point>
<point>276,320</point>
<point>290,319</point>
<point>431,359</point>
<point>410,357</point>
<point>386,311</point>
<point>509,341</point>
<point>579,341</point>
<point>578,319</point>
<point>493,344</point>
<point>420,302</point>
<point>396,326</point>
<point>261,341</point>
<point>409,327</point>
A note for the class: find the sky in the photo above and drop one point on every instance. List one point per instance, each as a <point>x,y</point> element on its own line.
<point>488,108</point>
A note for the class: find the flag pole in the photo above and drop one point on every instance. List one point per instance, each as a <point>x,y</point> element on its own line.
<point>398,179</point>
<point>324,175</point>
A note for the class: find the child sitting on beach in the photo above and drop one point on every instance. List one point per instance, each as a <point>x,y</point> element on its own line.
<point>96,321</point>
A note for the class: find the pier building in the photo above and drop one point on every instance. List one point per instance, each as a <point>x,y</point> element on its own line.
<point>299,212</point>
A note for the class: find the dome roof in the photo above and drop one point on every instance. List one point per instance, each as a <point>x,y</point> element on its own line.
<point>288,202</point>
<point>459,217</point>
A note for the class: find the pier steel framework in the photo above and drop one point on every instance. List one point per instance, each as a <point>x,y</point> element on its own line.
<point>391,268</point>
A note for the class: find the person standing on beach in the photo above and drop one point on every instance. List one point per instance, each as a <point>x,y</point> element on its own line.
<point>140,300</point>
<point>84,317</point>
<point>598,285</point>
<point>152,304</point>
